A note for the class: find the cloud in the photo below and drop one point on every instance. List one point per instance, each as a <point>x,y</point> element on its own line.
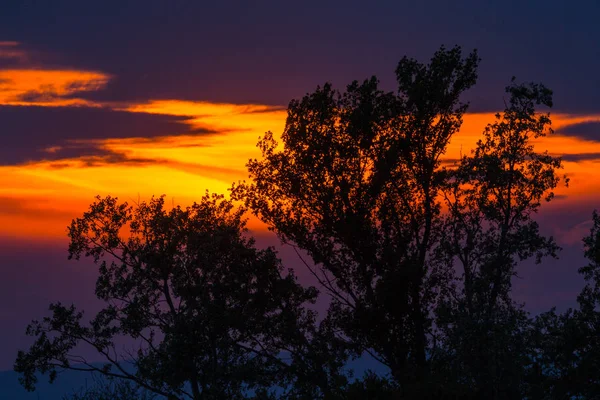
<point>60,137</point>
<point>26,78</point>
<point>218,116</point>
<point>71,154</point>
<point>46,87</point>
<point>9,50</point>
<point>581,156</point>
<point>589,130</point>
<point>54,120</point>
<point>36,132</point>
<point>100,159</point>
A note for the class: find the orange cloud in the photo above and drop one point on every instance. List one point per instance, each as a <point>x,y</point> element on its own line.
<point>30,85</point>
<point>39,199</point>
<point>183,167</point>
<point>39,87</point>
<point>217,116</point>
<point>44,196</point>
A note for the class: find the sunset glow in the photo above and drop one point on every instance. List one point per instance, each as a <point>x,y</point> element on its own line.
<point>45,195</point>
<point>33,87</point>
<point>215,141</point>
<point>112,102</point>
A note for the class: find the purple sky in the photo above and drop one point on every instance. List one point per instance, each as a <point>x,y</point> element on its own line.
<point>269,52</point>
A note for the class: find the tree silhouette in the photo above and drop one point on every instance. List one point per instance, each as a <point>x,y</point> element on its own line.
<point>211,313</point>
<point>417,255</point>
<point>359,185</point>
<point>491,199</point>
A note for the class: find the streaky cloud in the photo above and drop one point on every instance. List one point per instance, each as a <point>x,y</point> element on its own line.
<point>581,157</point>
<point>589,130</point>
<point>50,88</point>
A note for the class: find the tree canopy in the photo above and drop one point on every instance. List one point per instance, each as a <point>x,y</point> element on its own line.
<point>415,251</point>
<point>361,185</point>
<point>210,313</point>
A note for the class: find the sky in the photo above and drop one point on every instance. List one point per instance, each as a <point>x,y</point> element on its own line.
<point>143,98</point>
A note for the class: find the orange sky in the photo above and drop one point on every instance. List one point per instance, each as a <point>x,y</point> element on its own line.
<point>40,198</point>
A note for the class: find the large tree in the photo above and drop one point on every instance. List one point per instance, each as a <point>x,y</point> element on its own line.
<point>360,185</point>
<point>356,186</point>
<point>212,316</point>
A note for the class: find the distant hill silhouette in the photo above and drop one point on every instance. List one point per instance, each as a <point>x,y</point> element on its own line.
<point>72,381</point>
<point>65,384</point>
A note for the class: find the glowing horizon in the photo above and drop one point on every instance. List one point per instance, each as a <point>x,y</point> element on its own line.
<point>216,140</point>
<point>183,167</point>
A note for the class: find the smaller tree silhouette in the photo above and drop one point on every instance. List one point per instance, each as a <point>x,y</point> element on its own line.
<point>492,197</point>
<point>211,314</point>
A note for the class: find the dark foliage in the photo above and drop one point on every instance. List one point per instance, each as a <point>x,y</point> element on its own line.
<point>210,313</point>
<point>416,254</point>
<point>356,186</point>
